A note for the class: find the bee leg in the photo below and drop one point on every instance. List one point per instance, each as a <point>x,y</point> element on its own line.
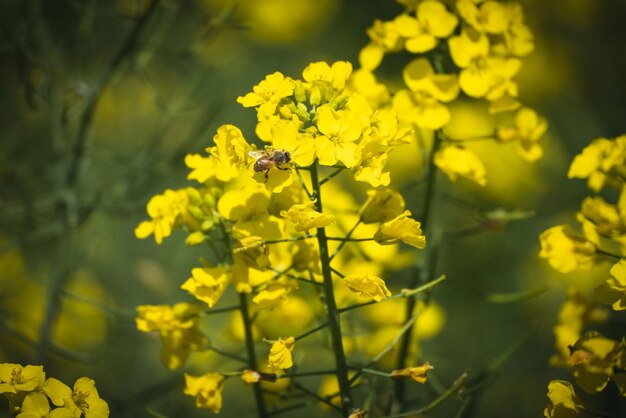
<point>267,175</point>
<point>283,168</point>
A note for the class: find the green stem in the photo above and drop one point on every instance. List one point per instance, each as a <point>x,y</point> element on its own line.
<point>345,240</point>
<point>311,331</point>
<point>252,361</point>
<point>331,175</point>
<point>609,255</point>
<point>247,326</point>
<point>426,272</point>
<point>454,388</point>
<point>330,304</point>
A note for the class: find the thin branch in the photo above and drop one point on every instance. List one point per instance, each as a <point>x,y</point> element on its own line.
<point>311,331</point>
<point>343,242</point>
<point>405,293</point>
<point>454,388</point>
<point>331,175</point>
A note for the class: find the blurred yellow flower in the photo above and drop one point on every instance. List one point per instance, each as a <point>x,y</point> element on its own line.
<point>280,354</point>
<point>528,129</point>
<point>565,250</point>
<point>456,161</point>
<point>384,37</point>
<point>431,21</point>
<point>490,16</point>
<point>207,389</point>
<point>250,376</point>
<point>613,291</point>
<point>306,218</point>
<point>575,313</point>
<point>563,401</point>
<point>421,104</point>
<point>165,211</point>
<point>417,373</point>
<point>593,361</point>
<point>482,74</point>
<point>381,206</point>
<point>275,293</point>
<point>600,162</point>
<point>178,327</point>
<point>402,228</point>
<point>207,284</point>
<point>368,286</point>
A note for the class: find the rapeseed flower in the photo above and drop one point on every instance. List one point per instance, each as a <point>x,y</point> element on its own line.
<point>613,291</point>
<point>456,161</point>
<point>402,228</point>
<point>280,354</point>
<point>207,389</point>
<point>431,22</point>
<point>367,285</point>
<point>417,373</point>
<point>565,250</point>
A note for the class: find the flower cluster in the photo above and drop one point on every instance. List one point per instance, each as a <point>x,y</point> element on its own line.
<point>593,359</point>
<point>265,224</point>
<point>472,47</point>
<point>30,394</point>
<point>299,253</point>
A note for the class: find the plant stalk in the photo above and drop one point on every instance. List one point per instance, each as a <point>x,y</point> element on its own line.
<point>331,307</point>
<point>420,277</point>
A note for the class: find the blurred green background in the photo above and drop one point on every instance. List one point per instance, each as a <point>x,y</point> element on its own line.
<point>100,102</point>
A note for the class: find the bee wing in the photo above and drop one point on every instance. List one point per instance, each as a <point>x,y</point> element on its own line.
<point>257,153</point>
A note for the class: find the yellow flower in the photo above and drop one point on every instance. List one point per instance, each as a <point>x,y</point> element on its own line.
<point>563,401</point>
<point>482,74</point>
<point>565,250</point>
<point>300,145</point>
<point>457,161</point>
<point>402,228</point>
<point>384,38</point>
<point>421,103</point>
<point>613,291</point>
<point>165,211</point>
<point>381,206</point>
<point>306,218</point>
<point>432,21</point>
<point>207,390</point>
<point>599,218</point>
<point>36,405</point>
<point>202,168</point>
<point>364,82</point>
<point>280,354</point>
<point>178,327</point>
<point>575,313</point>
<point>268,92</point>
<point>336,75</point>
<point>231,149</point>
<point>244,204</point>
<point>601,163</point>
<point>368,286</point>
<point>528,129</point>
<point>57,391</point>
<point>490,17</point>
<point>207,284</point>
<point>274,294</point>
<point>340,130</point>
<point>86,399</point>
<point>417,374</point>
<point>15,377</point>
<point>593,361</point>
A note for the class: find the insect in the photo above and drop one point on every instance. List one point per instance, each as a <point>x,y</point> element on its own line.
<point>266,159</point>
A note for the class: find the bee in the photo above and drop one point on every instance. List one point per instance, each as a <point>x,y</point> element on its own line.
<point>266,159</point>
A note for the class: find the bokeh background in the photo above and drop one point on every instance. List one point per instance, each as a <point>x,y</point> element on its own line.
<point>101,101</point>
